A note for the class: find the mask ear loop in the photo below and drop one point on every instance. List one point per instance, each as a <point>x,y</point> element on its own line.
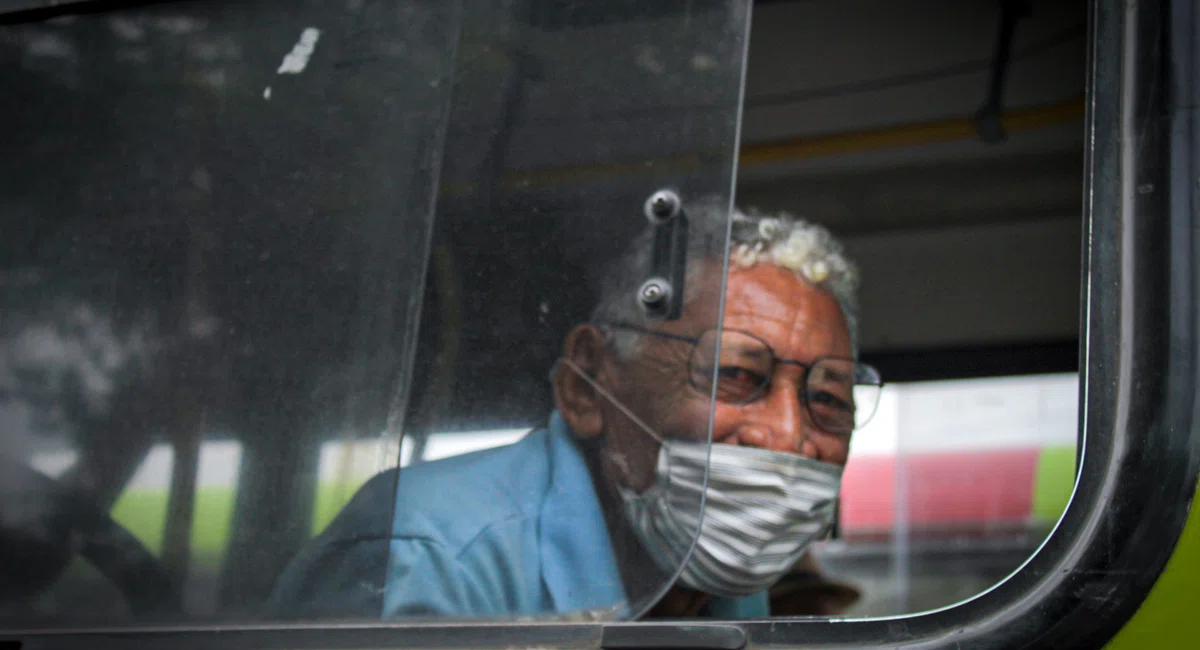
<point>609,396</point>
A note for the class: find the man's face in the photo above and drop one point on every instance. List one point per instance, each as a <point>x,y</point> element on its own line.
<point>797,320</point>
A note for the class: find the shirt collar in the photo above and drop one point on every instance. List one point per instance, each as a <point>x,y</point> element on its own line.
<point>578,563</point>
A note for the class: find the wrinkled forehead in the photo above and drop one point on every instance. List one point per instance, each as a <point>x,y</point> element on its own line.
<point>796,318</point>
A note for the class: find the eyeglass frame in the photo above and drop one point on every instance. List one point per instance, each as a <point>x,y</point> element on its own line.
<point>762,390</point>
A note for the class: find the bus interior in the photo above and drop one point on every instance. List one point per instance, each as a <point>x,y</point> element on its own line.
<point>242,240</point>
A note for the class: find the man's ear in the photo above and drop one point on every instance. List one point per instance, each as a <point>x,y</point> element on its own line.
<point>580,405</point>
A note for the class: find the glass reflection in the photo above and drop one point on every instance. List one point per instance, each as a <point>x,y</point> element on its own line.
<point>951,487</point>
<point>595,514</point>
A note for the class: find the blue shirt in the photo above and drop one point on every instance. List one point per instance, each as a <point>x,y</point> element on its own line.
<point>505,532</point>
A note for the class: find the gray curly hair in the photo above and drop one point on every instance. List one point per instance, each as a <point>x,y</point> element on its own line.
<point>807,249</point>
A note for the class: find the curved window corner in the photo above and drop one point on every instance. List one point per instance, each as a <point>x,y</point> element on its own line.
<point>598,324</point>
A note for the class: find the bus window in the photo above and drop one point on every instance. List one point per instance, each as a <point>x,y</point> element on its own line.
<point>575,323</point>
<point>968,249</point>
<point>317,314</point>
<point>952,486</point>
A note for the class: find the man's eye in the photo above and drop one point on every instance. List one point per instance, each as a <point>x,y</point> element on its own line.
<point>736,383</point>
<point>739,375</point>
<point>829,402</point>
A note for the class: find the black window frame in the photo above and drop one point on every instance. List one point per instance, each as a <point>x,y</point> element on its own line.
<point>1139,437</point>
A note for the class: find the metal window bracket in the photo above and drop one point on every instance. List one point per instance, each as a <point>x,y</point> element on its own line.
<point>661,295</point>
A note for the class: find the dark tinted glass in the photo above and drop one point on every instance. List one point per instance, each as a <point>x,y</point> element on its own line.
<point>257,256</point>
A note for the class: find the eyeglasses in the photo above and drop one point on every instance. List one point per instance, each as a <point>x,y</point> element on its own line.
<point>841,395</point>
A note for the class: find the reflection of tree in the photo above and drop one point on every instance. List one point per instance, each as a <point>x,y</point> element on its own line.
<point>72,374</point>
<point>255,258</point>
<point>65,366</point>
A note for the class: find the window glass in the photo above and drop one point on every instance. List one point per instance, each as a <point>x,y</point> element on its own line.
<point>943,145</point>
<point>546,379</point>
<point>216,218</point>
<point>323,312</point>
<point>420,310</point>
<point>951,487</point>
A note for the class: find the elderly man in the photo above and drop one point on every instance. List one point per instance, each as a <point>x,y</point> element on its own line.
<point>598,511</point>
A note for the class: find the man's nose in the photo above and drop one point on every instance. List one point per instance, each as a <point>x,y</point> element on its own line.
<point>780,423</point>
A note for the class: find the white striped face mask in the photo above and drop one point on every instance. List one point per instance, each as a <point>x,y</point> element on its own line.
<point>762,510</point>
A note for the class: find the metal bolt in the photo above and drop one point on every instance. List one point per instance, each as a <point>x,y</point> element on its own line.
<point>654,292</point>
<point>662,205</point>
